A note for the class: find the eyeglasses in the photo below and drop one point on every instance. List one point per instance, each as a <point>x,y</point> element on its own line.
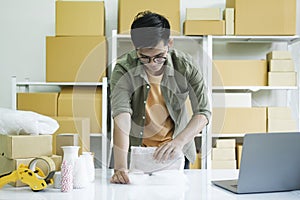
<point>156,59</point>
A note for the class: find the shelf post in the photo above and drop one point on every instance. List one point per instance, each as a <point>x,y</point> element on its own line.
<point>207,72</point>
<point>104,125</point>
<point>14,92</point>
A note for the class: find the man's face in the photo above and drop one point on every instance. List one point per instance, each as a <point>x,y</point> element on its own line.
<point>153,58</point>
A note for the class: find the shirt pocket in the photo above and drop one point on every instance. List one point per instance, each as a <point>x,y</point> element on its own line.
<point>179,100</point>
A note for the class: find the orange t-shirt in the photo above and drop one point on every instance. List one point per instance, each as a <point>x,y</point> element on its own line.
<point>158,125</point>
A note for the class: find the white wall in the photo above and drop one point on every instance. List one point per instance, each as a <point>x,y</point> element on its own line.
<point>25,24</point>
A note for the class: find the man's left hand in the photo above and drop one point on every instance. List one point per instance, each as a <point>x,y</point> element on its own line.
<point>168,151</point>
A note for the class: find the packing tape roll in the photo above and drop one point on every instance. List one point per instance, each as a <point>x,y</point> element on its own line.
<point>45,163</point>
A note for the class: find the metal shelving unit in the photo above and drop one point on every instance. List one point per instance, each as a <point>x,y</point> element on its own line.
<point>15,87</point>
<point>289,40</point>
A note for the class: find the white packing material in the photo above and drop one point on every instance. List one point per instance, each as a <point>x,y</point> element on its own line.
<point>17,122</point>
<point>168,184</point>
<point>141,160</point>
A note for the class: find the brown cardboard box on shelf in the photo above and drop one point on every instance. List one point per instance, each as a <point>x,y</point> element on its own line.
<point>225,143</point>
<point>239,73</point>
<point>128,9</point>
<point>282,125</point>
<point>281,65</point>
<point>197,163</point>
<point>25,146</point>
<point>76,59</point>
<point>83,102</point>
<point>279,113</point>
<point>229,21</point>
<point>231,100</point>
<point>239,120</point>
<point>223,164</point>
<point>9,165</point>
<point>66,139</point>
<point>203,14</point>
<point>264,17</point>
<point>279,55</point>
<point>41,102</point>
<point>223,154</point>
<point>239,149</point>
<point>204,27</point>
<point>282,78</point>
<point>75,18</point>
<point>79,126</point>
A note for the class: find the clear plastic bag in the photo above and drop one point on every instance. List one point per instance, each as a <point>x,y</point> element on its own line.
<point>141,160</point>
<point>17,122</point>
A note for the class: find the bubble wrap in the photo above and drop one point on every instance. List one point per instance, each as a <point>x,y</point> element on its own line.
<point>141,160</point>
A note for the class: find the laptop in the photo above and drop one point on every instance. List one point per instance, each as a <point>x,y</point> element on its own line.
<point>270,163</point>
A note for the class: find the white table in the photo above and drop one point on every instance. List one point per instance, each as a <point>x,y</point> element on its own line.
<point>195,184</point>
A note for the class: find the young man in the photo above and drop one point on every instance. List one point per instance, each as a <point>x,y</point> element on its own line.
<point>149,88</point>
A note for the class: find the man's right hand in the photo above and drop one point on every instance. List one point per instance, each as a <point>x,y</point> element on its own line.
<point>120,177</point>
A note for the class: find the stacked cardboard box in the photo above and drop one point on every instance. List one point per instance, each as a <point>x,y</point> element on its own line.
<point>228,15</point>
<point>239,73</point>
<point>128,9</point>
<point>72,132</point>
<point>204,21</point>
<point>239,149</point>
<point>78,53</point>
<point>197,163</point>
<point>280,119</point>
<point>239,120</point>
<point>21,149</point>
<point>264,17</point>
<point>232,100</point>
<point>44,103</point>
<point>223,155</point>
<point>281,69</point>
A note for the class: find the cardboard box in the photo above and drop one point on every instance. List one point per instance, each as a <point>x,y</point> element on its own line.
<point>82,102</point>
<point>25,146</point>
<point>279,55</point>
<point>264,17</point>
<point>128,9</point>
<point>282,125</point>
<point>80,18</point>
<point>223,154</point>
<point>229,21</point>
<point>203,14</point>
<point>42,103</point>
<point>239,150</point>
<point>233,100</point>
<point>239,73</point>
<point>204,27</point>
<point>9,165</point>
<point>223,164</point>
<point>197,163</point>
<point>281,66</point>
<point>239,120</point>
<point>70,125</point>
<point>225,143</point>
<point>76,59</point>
<point>66,139</point>
<point>282,78</point>
<point>279,113</point>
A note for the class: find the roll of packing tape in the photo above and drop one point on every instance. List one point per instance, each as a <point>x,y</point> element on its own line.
<point>44,163</point>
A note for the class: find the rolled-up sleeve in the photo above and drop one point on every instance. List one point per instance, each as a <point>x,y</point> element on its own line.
<point>120,91</point>
<point>198,93</point>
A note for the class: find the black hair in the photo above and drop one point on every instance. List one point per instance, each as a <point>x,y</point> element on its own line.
<point>148,29</point>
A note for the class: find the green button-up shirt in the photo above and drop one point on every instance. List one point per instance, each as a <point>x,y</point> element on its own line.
<point>130,87</point>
